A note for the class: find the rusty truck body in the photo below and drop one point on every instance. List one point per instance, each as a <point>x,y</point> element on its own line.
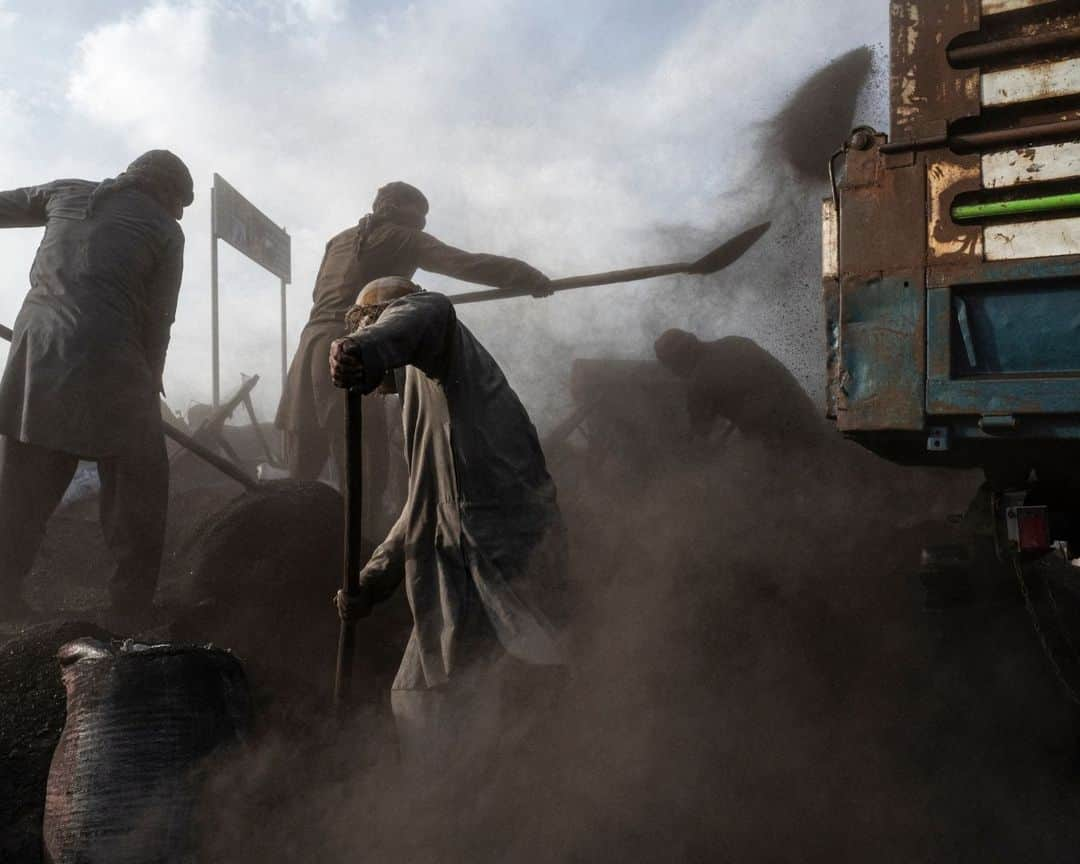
<point>951,248</point>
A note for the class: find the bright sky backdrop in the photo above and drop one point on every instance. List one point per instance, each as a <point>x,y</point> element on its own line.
<point>580,136</point>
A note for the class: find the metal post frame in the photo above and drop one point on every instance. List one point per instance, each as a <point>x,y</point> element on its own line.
<point>251,232</point>
<point>215,337</point>
<point>284,338</point>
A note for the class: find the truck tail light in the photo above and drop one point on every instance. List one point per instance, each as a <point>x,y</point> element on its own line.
<point>1029,528</point>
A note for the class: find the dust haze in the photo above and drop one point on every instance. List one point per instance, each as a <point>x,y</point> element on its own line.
<point>752,674</point>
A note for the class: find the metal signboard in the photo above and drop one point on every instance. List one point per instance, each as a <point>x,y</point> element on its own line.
<point>248,230</point>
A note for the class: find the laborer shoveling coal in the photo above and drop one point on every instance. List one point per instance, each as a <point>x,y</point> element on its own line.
<point>85,368</point>
<point>480,543</point>
<point>388,241</point>
<point>82,382</point>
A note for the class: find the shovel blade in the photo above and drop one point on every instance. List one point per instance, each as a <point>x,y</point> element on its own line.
<point>729,252</point>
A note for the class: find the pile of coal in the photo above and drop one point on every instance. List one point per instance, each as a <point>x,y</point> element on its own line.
<point>260,574</point>
<point>141,721</point>
<point>31,718</point>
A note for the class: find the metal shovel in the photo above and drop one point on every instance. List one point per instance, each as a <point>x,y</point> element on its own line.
<point>719,258</point>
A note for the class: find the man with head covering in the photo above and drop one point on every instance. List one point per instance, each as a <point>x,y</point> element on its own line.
<point>85,367</point>
<point>480,543</point>
<point>736,379</point>
<point>388,241</point>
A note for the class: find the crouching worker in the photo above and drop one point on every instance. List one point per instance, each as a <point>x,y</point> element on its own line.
<point>480,543</point>
<point>85,366</point>
<point>736,379</point>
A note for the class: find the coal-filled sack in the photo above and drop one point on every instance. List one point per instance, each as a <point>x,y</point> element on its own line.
<point>141,720</point>
<point>31,719</point>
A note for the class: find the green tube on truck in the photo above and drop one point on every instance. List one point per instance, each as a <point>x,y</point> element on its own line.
<point>1022,207</point>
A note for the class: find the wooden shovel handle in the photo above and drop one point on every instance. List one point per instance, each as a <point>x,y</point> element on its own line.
<point>354,504</point>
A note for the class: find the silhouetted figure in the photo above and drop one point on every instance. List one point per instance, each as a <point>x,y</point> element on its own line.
<point>84,372</point>
<point>736,379</point>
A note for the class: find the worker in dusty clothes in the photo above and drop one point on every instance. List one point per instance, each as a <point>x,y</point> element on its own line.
<point>85,368</point>
<point>736,379</point>
<point>480,542</point>
<point>388,241</point>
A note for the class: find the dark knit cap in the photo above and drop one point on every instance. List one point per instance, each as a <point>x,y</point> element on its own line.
<point>164,172</point>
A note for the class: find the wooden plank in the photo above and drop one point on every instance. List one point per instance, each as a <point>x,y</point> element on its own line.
<point>1031,165</point>
<point>1047,239</point>
<point>996,7</point>
<point>830,241</point>
<point>1029,83</point>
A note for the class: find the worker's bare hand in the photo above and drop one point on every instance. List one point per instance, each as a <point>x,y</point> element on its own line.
<point>536,282</point>
<point>346,369</point>
<point>352,607</point>
<point>542,287</point>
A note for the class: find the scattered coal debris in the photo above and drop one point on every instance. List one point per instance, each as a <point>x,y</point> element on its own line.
<point>816,118</point>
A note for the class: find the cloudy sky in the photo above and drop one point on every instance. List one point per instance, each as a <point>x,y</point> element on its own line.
<point>578,135</point>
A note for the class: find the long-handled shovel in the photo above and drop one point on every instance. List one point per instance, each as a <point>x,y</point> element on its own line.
<point>716,260</point>
<point>354,498</point>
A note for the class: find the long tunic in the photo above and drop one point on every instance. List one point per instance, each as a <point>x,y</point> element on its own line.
<point>480,542</point>
<point>89,344</point>
<point>310,399</point>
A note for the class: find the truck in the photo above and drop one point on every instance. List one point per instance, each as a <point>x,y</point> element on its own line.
<point>951,278</point>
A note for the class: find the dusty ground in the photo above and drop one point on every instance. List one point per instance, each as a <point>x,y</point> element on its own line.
<point>756,677</point>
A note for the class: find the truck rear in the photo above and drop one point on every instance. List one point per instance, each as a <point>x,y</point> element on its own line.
<point>951,261</point>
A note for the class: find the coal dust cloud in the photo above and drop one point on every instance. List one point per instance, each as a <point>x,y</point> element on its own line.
<point>751,671</point>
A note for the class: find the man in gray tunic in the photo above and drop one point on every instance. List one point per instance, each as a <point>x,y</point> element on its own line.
<point>480,543</point>
<point>388,241</point>
<point>85,367</point>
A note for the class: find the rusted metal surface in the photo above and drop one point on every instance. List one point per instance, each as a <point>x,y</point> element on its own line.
<point>991,138</point>
<point>927,93</point>
<point>882,214</point>
<point>982,398</point>
<point>830,295</point>
<point>882,355</point>
<point>926,327</point>
<point>875,311</point>
<point>1047,381</point>
<point>1016,135</point>
<point>948,176</point>
<point>1049,18</point>
<point>976,271</point>
<point>1003,49</point>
